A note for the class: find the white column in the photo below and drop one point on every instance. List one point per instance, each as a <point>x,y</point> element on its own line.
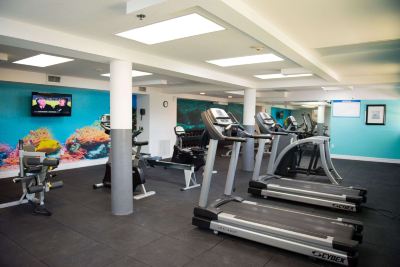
<point>249,110</point>
<point>121,137</point>
<point>320,119</point>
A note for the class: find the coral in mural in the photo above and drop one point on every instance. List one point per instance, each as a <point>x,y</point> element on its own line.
<point>35,136</point>
<point>41,139</point>
<point>5,151</point>
<point>86,143</point>
<point>12,161</point>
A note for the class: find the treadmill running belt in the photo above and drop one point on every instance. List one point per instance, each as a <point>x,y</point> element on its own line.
<point>319,187</point>
<point>293,221</point>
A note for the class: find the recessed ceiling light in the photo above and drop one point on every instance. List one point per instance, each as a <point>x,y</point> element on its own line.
<point>309,106</point>
<point>229,96</point>
<point>42,60</point>
<point>172,29</point>
<point>236,61</point>
<point>332,88</point>
<point>240,92</point>
<point>202,93</point>
<point>135,73</point>
<point>280,76</point>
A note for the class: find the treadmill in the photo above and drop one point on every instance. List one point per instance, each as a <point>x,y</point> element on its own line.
<point>330,239</point>
<point>320,194</point>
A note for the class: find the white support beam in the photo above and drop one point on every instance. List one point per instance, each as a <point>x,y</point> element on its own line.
<point>241,15</point>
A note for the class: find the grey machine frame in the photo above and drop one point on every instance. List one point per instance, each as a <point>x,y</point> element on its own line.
<point>332,195</point>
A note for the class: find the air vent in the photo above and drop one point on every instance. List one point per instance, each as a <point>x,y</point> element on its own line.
<point>142,89</point>
<point>53,79</point>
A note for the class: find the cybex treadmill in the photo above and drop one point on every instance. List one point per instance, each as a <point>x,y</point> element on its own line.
<point>330,239</point>
<point>314,193</point>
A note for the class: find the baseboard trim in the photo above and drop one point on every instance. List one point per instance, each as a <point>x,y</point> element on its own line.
<point>361,158</point>
<point>62,166</point>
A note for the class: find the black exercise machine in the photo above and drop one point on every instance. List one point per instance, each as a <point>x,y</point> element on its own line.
<point>190,160</point>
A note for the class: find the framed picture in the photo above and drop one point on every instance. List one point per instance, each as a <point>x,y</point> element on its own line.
<point>375,115</point>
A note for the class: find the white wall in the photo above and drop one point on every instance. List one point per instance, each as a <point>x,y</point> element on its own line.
<point>11,75</point>
<point>162,123</point>
<point>158,123</point>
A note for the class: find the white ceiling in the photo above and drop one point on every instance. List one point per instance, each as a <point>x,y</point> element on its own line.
<point>78,68</point>
<point>347,42</point>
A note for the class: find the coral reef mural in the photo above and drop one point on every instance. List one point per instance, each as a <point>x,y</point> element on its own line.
<point>70,139</point>
<point>89,142</point>
<point>86,143</point>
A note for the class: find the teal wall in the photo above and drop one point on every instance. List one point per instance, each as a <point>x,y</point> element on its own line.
<point>351,136</point>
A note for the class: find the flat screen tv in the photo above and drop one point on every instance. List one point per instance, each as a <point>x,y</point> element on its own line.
<point>51,104</point>
<point>279,114</point>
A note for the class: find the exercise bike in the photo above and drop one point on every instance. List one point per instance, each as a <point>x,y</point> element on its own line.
<point>138,179</point>
<point>34,175</point>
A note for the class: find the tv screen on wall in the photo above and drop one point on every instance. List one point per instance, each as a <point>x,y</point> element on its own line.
<point>279,114</point>
<point>51,104</point>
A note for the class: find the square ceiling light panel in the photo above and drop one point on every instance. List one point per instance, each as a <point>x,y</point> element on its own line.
<point>281,76</point>
<point>236,61</point>
<point>42,60</point>
<point>135,73</point>
<point>172,29</point>
<point>332,88</point>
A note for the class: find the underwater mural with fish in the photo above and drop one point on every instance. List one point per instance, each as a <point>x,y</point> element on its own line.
<point>90,142</point>
<point>189,112</point>
<point>70,139</point>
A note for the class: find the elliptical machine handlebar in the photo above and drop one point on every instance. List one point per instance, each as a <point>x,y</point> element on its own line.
<point>138,143</point>
<point>284,132</point>
<point>290,131</point>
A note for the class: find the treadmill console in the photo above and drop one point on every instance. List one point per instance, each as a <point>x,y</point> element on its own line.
<point>221,117</point>
<point>179,131</point>
<point>293,120</point>
<point>267,119</point>
<point>218,123</point>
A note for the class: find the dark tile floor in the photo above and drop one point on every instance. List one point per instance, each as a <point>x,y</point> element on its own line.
<point>82,232</point>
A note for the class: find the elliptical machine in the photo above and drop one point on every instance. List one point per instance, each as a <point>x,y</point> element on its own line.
<point>34,174</point>
<point>291,124</point>
<point>193,156</point>
<point>137,172</point>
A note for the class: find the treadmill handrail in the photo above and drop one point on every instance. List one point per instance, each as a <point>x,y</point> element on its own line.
<point>235,139</point>
<point>258,136</point>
